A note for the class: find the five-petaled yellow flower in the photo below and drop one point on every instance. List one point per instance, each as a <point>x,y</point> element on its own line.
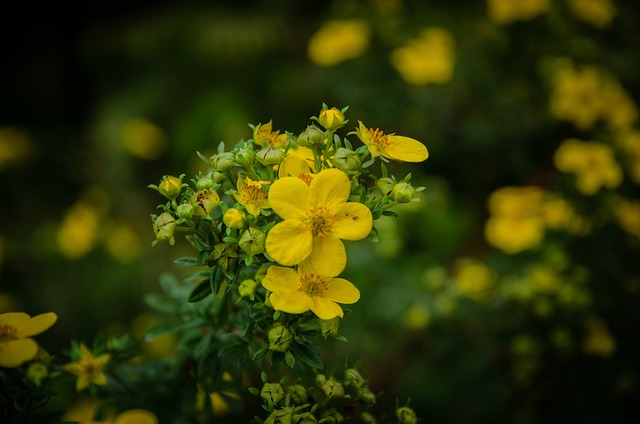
<point>16,329</point>
<point>296,292</point>
<point>392,146</point>
<point>89,368</point>
<point>317,217</point>
<point>252,195</point>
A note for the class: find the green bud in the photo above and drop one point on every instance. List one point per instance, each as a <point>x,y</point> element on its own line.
<point>232,218</point>
<point>332,388</point>
<point>204,202</point>
<point>224,256</point>
<point>311,136</point>
<point>185,211</point>
<point>402,192</point>
<point>332,416</point>
<point>269,156</point>
<point>305,418</point>
<point>222,161</point>
<point>353,378</point>
<point>245,157</point>
<point>218,177</point>
<point>298,394</point>
<point>280,338</point>
<point>367,418</point>
<point>261,272</point>
<point>320,379</point>
<point>204,183</point>
<point>170,187</point>
<point>164,226</point>
<point>329,327</point>
<point>247,288</point>
<point>37,372</point>
<point>252,241</point>
<point>346,160</point>
<point>385,185</point>
<point>272,393</point>
<point>366,395</point>
<point>406,415</point>
<point>331,119</point>
<point>280,416</point>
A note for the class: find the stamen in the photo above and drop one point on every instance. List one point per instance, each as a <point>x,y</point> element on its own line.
<point>313,285</point>
<point>320,221</point>
<point>7,332</point>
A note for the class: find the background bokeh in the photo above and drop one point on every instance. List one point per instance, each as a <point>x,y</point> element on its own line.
<point>509,293</point>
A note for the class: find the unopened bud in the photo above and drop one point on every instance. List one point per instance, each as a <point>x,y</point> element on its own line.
<point>406,415</point>
<point>185,211</point>
<point>164,226</point>
<point>331,119</point>
<point>245,157</point>
<point>332,416</point>
<point>269,156</point>
<point>232,218</point>
<point>367,418</point>
<point>252,241</point>
<point>366,395</point>
<point>222,161</point>
<point>298,394</point>
<point>280,416</point>
<point>305,418</point>
<point>280,338</point>
<point>170,187</point>
<point>346,160</point>
<point>204,202</point>
<point>247,288</point>
<point>311,136</point>
<point>204,183</point>
<point>329,327</point>
<point>385,185</point>
<point>402,192</point>
<point>224,256</point>
<point>37,372</point>
<point>353,378</point>
<point>272,393</point>
<point>332,388</point>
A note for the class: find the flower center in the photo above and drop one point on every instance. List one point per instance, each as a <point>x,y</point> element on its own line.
<point>253,194</point>
<point>90,367</point>
<point>306,177</point>
<point>319,220</point>
<point>313,285</point>
<point>7,332</point>
<point>378,138</point>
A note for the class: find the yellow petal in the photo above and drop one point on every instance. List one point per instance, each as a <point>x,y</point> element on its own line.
<point>36,325</point>
<point>328,256</point>
<point>103,359</point>
<point>136,416</point>
<point>289,242</point>
<point>253,209</point>
<point>330,188</point>
<point>292,166</point>
<point>406,149</point>
<point>73,368</point>
<point>289,197</point>
<point>13,318</point>
<point>14,353</point>
<point>281,278</point>
<point>342,291</point>
<point>290,301</point>
<point>325,308</point>
<point>82,383</point>
<point>352,222</point>
<point>100,379</point>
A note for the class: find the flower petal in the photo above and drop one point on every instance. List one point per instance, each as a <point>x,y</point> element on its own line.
<point>280,278</point>
<point>289,242</point>
<point>330,188</point>
<point>352,222</point>
<point>14,353</point>
<point>342,291</point>
<point>289,198</point>
<point>13,318</point>
<point>292,166</point>
<point>406,149</point>
<point>290,301</point>
<point>325,308</point>
<point>36,325</point>
<point>328,256</point>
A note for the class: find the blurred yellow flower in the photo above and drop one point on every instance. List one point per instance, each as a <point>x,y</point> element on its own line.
<point>160,346</point>
<point>15,146</point>
<point>598,340</point>
<point>629,142</point>
<point>16,329</point>
<point>317,217</point>
<point>339,40</point>
<point>598,13</point>
<point>143,139</point>
<point>88,368</point>
<point>627,213</point>
<point>543,279</point>
<point>296,292</point>
<point>619,111</point>
<point>558,214</point>
<point>82,411</point>
<point>474,279</point>
<point>122,242</point>
<point>252,195</point>
<point>392,146</point>
<point>507,11</point>
<point>429,58</point>
<point>592,163</point>
<point>417,317</point>
<point>134,416</point>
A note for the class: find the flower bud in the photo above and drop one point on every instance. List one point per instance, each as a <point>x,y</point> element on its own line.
<point>245,157</point>
<point>252,241</point>
<point>170,187</point>
<point>329,327</point>
<point>305,418</point>
<point>367,418</point>
<point>353,378</point>
<point>298,394</point>
<point>406,415</point>
<point>204,183</point>
<point>185,211</point>
<point>164,226</point>
<point>222,161</point>
<point>332,388</point>
<point>385,185</point>
<point>272,393</point>
<point>204,202</point>
<point>311,136</point>
<point>232,218</point>
<point>331,119</point>
<point>280,416</point>
<point>402,192</point>
<point>332,416</point>
<point>224,256</point>
<point>269,156</point>
<point>218,177</point>
<point>37,372</point>
<point>247,288</point>
<point>280,338</point>
<point>346,160</point>
<point>366,395</point>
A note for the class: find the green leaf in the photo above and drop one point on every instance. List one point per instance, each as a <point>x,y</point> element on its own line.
<point>276,358</point>
<point>188,261</point>
<point>202,290</point>
<point>161,302</point>
<point>260,353</point>
<point>230,350</point>
<point>216,280</point>
<point>289,359</point>
<point>197,242</point>
<point>307,353</point>
<point>390,213</point>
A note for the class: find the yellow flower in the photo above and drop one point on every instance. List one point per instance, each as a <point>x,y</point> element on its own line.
<point>392,146</point>
<point>232,218</point>
<point>339,40</point>
<point>629,142</point>
<point>89,368</point>
<point>264,135</point>
<point>592,162</point>
<point>135,416</point>
<point>296,166</point>
<point>599,340</point>
<point>474,279</point>
<point>627,213</point>
<point>506,11</point>
<point>317,217</point>
<point>429,58</point>
<point>296,292</point>
<point>576,94</point>
<point>252,195</point>
<point>16,329</point>
<point>598,13</point>
<point>143,139</point>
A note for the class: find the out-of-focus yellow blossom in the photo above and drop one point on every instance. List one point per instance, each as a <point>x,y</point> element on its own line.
<point>122,242</point>
<point>16,329</point>
<point>218,400</point>
<point>627,213</point>
<point>339,40</point>
<point>559,215</point>
<point>544,280</point>
<point>598,341</point>
<point>88,368</point>
<point>516,222</point>
<point>417,317</point>
<point>134,416</point>
<point>598,13</point>
<point>252,195</point>
<point>82,411</point>
<point>15,146</point>
<point>592,163</point>
<point>143,139</point>
<point>80,228</point>
<point>629,142</point>
<point>160,346</point>
<point>507,11</point>
<point>392,146</point>
<point>429,58</point>
<point>474,279</point>
<point>619,110</point>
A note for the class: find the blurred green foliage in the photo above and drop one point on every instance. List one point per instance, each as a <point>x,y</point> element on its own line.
<point>101,103</point>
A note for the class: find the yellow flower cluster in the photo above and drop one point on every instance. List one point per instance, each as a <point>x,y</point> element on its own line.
<point>429,58</point>
<point>598,13</point>
<point>507,11</point>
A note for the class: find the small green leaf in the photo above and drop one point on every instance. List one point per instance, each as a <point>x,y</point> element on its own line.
<point>202,290</point>
<point>308,354</point>
<point>260,353</point>
<point>390,213</point>
<point>289,359</point>
<point>161,302</point>
<point>187,261</point>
